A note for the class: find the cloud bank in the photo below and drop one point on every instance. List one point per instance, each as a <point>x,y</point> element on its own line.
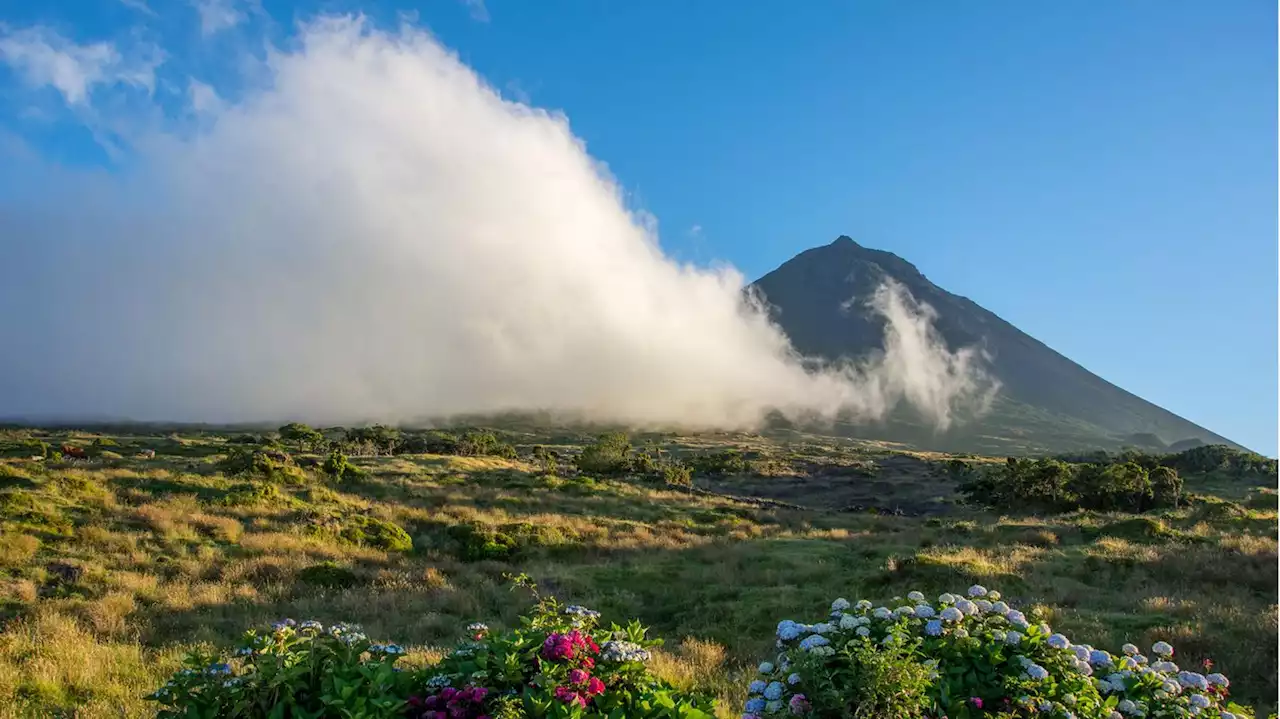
<point>375,234</point>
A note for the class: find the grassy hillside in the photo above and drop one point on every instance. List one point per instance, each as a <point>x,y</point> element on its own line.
<point>114,565</point>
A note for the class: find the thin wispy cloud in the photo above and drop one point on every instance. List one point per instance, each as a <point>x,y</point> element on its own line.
<point>479,12</point>
<point>45,58</point>
<point>218,15</point>
<point>139,5</point>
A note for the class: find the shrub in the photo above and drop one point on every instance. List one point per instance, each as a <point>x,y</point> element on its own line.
<point>558,663</point>
<point>328,574</point>
<point>338,467</point>
<point>718,463</point>
<point>476,542</point>
<point>967,657</point>
<point>25,448</point>
<point>269,464</point>
<point>251,493</point>
<point>607,456</point>
<point>677,475</point>
<point>294,670</point>
<point>548,458</point>
<point>374,532</point>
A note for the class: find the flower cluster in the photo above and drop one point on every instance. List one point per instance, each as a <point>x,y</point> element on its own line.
<point>450,703</point>
<point>558,647</point>
<point>622,651</point>
<point>973,654</point>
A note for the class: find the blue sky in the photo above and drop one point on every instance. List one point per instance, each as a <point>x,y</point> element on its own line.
<point>1102,175</point>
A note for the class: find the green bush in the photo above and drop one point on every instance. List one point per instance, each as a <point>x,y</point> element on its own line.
<point>269,464</point>
<point>714,464</point>
<point>25,449</point>
<point>374,532</point>
<point>252,493</point>
<point>340,468</point>
<point>557,664</point>
<point>968,657</point>
<point>609,455</point>
<point>677,475</point>
<point>295,670</point>
<point>328,574</point>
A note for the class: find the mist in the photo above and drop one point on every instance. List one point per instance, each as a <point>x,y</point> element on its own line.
<point>373,233</point>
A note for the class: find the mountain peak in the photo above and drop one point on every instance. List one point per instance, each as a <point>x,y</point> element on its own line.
<point>1047,403</point>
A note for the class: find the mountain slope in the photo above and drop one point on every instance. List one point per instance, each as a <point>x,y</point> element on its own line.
<point>1047,403</point>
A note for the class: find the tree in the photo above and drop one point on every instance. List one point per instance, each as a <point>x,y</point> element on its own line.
<point>305,437</point>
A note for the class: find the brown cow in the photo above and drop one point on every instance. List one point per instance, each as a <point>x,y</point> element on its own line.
<point>70,450</point>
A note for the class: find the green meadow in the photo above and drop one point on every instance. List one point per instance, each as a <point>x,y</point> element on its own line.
<point>114,565</point>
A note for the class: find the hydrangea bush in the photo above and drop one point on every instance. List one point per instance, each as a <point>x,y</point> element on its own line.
<point>559,663</point>
<point>295,670</point>
<point>964,656</point>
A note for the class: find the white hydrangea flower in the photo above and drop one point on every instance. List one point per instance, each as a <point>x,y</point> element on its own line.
<point>863,605</point>
<point>1046,706</point>
<point>849,621</point>
<point>1115,715</point>
<point>863,631</point>
<point>966,606</point>
<point>983,605</point>
<point>1037,672</point>
<point>882,613</point>
<point>1084,668</point>
<point>1129,649</point>
<point>904,612</point>
<point>924,611</point>
<point>1162,649</point>
<point>840,605</point>
<point>916,597</point>
<point>1199,700</point>
<point>1127,706</point>
<point>1227,715</point>
<point>977,590</point>
<point>1171,687</point>
<point>1218,680</point>
<point>998,636</point>
<point>993,595</point>
<point>951,614</point>
<point>1058,641</point>
<point>946,598</point>
<point>960,633</point>
<point>1012,638</point>
<point>1069,700</point>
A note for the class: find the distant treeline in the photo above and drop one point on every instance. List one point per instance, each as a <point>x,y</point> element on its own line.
<point>1129,481</point>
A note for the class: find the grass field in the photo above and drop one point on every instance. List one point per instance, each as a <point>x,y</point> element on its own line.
<point>112,567</point>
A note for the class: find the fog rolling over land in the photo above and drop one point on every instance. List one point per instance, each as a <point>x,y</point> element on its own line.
<point>374,233</point>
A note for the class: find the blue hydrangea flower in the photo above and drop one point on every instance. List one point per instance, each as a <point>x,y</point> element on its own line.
<point>755,706</point>
<point>793,679</point>
<point>773,691</point>
<point>788,630</point>
<point>1057,641</point>
<point>756,687</point>
<point>813,641</point>
<point>933,627</point>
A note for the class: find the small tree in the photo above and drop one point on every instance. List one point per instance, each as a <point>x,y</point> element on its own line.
<point>304,436</point>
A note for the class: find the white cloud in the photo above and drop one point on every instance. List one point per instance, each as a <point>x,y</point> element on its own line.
<point>695,231</point>
<point>217,15</point>
<point>376,234</point>
<point>43,57</point>
<point>204,99</point>
<point>479,12</point>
